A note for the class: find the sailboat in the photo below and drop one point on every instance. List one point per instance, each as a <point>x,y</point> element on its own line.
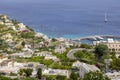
<point>105,20</point>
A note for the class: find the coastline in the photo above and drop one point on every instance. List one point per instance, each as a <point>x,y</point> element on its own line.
<point>66,36</point>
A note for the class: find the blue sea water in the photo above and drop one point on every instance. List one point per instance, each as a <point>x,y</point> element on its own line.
<point>66,18</point>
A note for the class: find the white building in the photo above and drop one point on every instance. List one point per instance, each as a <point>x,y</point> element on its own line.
<point>77,64</point>
<point>21,26</point>
<point>11,67</point>
<point>44,53</point>
<point>39,34</point>
<point>114,75</point>
<point>7,36</point>
<point>22,54</point>
<point>1,22</point>
<point>3,58</point>
<point>56,72</point>
<point>84,68</point>
<point>60,49</point>
<point>54,58</point>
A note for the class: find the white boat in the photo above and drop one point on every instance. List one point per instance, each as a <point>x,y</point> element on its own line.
<point>106,19</point>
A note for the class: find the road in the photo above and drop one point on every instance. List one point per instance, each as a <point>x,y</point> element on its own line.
<point>70,54</point>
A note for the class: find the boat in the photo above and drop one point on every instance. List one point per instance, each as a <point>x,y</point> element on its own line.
<point>105,20</point>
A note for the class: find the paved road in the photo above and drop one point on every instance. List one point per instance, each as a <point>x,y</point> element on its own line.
<point>70,54</point>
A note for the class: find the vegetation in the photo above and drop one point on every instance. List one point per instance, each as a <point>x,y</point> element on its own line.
<point>50,77</point>
<point>27,34</point>
<point>73,76</point>
<point>46,62</point>
<point>95,76</point>
<point>5,78</point>
<point>39,73</point>
<point>61,77</point>
<point>63,56</point>
<point>85,56</point>
<point>115,64</point>
<point>58,77</point>
<point>29,78</point>
<point>87,46</point>
<point>65,62</point>
<point>31,59</point>
<point>101,50</point>
<point>26,72</point>
<point>59,66</point>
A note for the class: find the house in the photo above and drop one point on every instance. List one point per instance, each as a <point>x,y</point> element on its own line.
<point>3,16</point>
<point>76,64</point>
<point>60,49</point>
<point>50,71</point>
<point>44,53</point>
<point>8,70</point>
<point>7,36</point>
<point>113,76</point>
<point>9,24</point>
<point>21,26</point>
<point>113,45</point>
<point>1,22</point>
<point>10,66</point>
<point>54,58</point>
<point>39,34</point>
<point>84,68</point>
<point>3,58</point>
<point>22,54</point>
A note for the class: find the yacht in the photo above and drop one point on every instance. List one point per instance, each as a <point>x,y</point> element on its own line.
<point>105,20</point>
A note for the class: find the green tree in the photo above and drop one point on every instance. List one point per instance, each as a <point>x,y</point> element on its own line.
<point>39,73</point>
<point>29,78</point>
<point>85,56</point>
<point>113,55</point>
<point>28,72</point>
<point>1,42</point>
<point>73,76</point>
<point>87,46</point>
<point>27,34</point>
<point>115,64</point>
<point>101,50</point>
<point>23,43</point>
<point>5,78</point>
<point>60,77</point>
<point>21,71</point>
<point>95,76</point>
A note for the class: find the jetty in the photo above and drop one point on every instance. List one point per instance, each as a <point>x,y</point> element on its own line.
<point>96,37</point>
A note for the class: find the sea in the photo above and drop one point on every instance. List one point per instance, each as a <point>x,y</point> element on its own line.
<point>66,18</point>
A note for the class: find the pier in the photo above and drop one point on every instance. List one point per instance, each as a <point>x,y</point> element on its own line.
<point>98,37</point>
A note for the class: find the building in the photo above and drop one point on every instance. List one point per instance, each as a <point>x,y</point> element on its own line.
<point>3,58</point>
<point>84,68</point>
<point>1,22</point>
<point>10,66</point>
<point>21,26</point>
<point>22,54</point>
<point>113,45</point>
<point>76,64</point>
<point>7,36</point>
<point>114,75</point>
<point>56,72</point>
<point>54,58</point>
<point>60,49</point>
<point>44,53</point>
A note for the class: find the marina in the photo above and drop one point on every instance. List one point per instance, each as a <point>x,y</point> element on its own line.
<point>91,39</point>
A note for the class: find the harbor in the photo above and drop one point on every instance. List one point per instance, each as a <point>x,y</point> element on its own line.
<point>91,39</point>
